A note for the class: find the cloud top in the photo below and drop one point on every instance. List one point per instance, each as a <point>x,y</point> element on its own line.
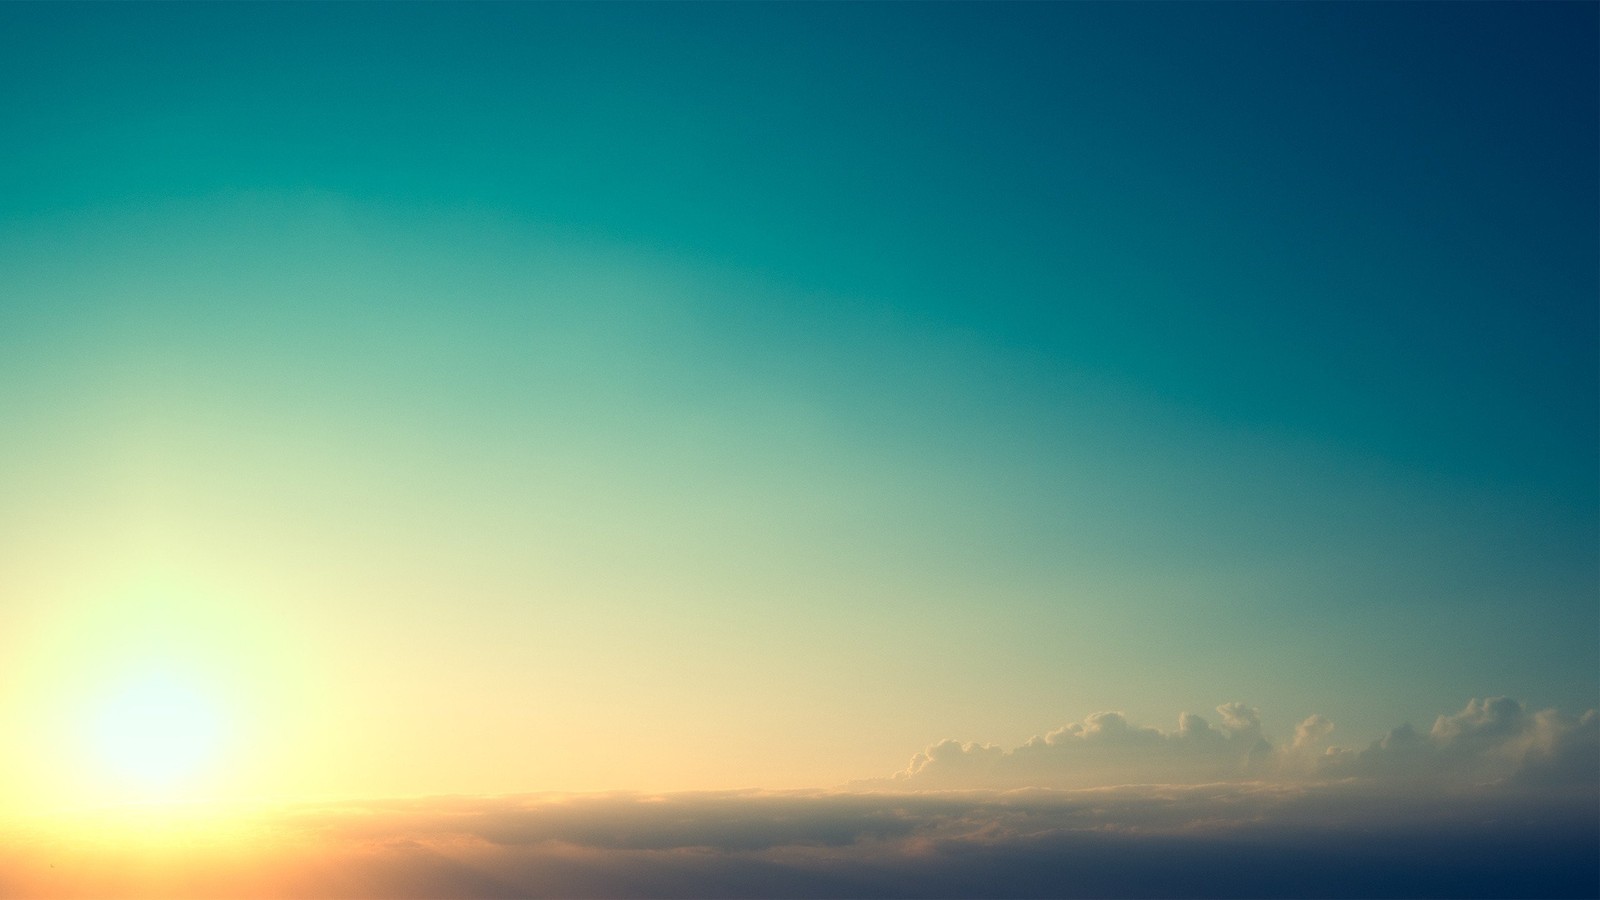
<point>1103,748</point>
<point>1490,740</point>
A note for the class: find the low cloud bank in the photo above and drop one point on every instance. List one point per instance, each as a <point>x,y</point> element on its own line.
<point>1493,801</point>
<point>1351,838</point>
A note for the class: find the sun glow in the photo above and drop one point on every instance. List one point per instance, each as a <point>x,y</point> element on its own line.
<point>156,732</point>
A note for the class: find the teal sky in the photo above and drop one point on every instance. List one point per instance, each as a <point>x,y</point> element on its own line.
<point>798,384</point>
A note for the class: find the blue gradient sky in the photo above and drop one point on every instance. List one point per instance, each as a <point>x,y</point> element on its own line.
<point>799,384</point>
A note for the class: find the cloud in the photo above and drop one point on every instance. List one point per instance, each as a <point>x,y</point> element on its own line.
<point>1104,748</point>
<point>1350,838</point>
<point>1495,800</point>
<point>1490,740</point>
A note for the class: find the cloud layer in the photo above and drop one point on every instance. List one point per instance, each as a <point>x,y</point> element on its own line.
<point>1494,801</point>
<point>1348,839</point>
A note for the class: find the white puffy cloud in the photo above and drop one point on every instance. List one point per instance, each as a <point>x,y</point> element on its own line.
<point>1104,748</point>
<point>1489,740</point>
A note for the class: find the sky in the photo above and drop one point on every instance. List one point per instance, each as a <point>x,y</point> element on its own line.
<point>803,404</point>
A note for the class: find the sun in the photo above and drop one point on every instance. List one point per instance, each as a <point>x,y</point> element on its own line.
<point>155,731</point>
